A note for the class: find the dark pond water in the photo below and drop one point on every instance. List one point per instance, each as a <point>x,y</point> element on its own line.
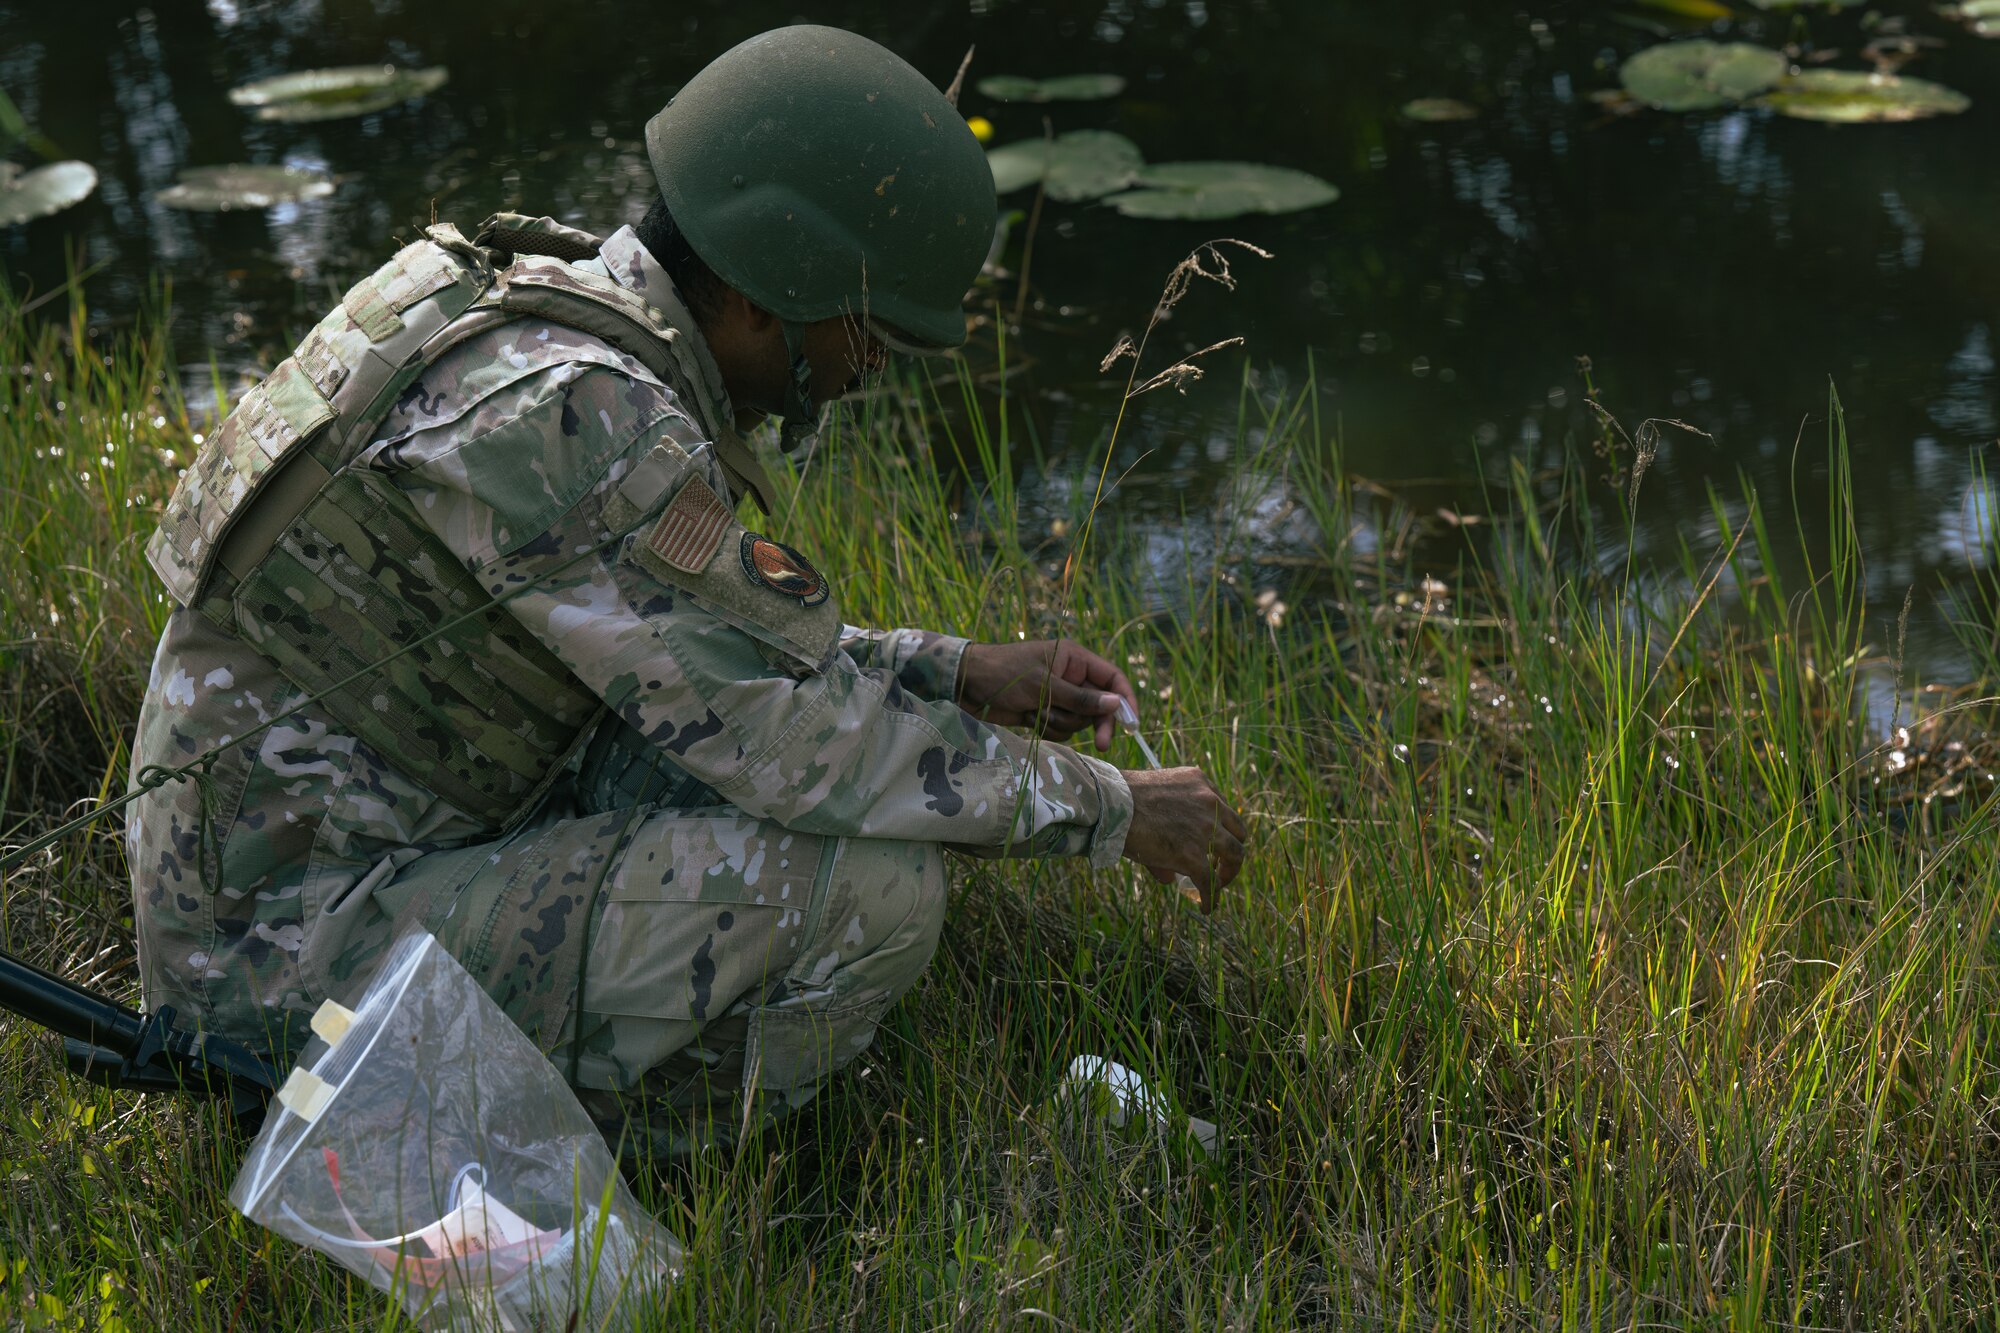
<point>1720,268</point>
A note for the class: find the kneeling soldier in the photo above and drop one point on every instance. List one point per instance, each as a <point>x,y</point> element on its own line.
<point>548,699</point>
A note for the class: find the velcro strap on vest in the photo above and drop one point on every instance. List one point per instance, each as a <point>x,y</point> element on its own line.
<point>367,308</point>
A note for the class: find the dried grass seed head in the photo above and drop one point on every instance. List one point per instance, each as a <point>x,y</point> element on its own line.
<point>1206,260</point>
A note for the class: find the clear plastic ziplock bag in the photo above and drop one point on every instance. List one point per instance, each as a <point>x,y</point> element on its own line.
<point>424,1143</point>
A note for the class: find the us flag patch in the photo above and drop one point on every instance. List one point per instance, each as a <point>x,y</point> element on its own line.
<point>688,533</point>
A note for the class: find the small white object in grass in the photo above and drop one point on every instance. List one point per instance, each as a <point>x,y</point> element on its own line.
<point>1131,1096</point>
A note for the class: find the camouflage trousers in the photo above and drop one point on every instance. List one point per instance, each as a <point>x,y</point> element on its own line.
<point>693,972</point>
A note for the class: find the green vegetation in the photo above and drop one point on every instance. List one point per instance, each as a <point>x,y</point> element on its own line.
<point>1066,88</point>
<point>242,185</point>
<point>1438,110</point>
<point>37,192</point>
<point>331,94</point>
<point>1082,165</point>
<point>1595,967</point>
<point>1848,97</point>
<point>1700,75</point>
<point>40,191</point>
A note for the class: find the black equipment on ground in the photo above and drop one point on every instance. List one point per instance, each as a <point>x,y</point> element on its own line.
<point>119,1047</point>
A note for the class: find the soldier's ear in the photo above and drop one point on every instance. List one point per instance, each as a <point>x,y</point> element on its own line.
<point>748,344</point>
<point>746,313</point>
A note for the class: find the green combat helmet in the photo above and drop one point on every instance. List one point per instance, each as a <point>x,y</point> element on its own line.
<point>819,175</point>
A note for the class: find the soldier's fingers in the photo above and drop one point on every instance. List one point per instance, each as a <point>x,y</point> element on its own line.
<point>1223,846</point>
<point>1231,863</point>
<point>1209,882</point>
<point>1117,684</point>
<point>1221,842</point>
<point>1083,699</point>
<point>1059,724</point>
<point>1102,674</point>
<point>1233,823</point>
<point>998,715</point>
<point>1224,863</point>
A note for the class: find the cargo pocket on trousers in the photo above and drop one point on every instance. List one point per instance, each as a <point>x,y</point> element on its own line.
<point>795,1045</point>
<point>701,912</point>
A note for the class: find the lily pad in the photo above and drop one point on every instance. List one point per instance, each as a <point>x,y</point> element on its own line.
<point>1079,165</point>
<point>1435,109</point>
<point>1850,97</point>
<point>1210,190</point>
<point>329,94</point>
<point>27,195</point>
<point>1981,16</point>
<point>1697,75</point>
<point>238,185</point>
<point>1067,88</point>
<point>1699,11</point>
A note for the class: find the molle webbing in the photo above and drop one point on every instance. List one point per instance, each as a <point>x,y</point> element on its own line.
<point>337,383</point>
<point>279,535</point>
<point>509,240</point>
<point>489,711</point>
<point>519,234</point>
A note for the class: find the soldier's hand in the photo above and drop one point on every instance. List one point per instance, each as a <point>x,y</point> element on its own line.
<point>1182,826</point>
<point>1053,685</point>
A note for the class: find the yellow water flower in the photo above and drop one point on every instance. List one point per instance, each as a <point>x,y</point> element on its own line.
<point>981,127</point>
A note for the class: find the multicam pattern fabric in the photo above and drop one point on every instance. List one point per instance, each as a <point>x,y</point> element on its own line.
<point>812,980</point>
<point>739,873</point>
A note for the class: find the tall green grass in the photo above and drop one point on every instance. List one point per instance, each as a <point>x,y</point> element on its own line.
<point>1596,967</point>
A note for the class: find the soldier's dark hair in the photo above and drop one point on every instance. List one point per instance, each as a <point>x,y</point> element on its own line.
<point>695,280</point>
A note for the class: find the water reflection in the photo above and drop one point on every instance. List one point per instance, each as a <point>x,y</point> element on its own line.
<point>1966,404</point>
<point>1966,531</point>
<point>1719,268</point>
<point>154,133</point>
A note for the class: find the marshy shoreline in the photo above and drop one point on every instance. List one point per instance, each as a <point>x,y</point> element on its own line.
<point>1599,962</point>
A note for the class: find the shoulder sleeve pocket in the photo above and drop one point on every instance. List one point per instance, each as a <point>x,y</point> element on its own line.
<point>762,587</point>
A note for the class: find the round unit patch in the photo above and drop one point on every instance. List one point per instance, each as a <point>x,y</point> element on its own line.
<point>782,570</point>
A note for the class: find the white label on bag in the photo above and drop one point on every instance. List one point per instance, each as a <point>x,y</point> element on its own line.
<point>305,1094</point>
<point>331,1021</point>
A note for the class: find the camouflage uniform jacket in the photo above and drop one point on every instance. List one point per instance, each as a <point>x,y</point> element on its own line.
<point>246,885</point>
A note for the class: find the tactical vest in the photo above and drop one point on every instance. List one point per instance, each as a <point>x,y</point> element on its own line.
<point>326,568</point>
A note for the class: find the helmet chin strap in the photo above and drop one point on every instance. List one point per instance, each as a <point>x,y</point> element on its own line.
<point>801,413</point>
